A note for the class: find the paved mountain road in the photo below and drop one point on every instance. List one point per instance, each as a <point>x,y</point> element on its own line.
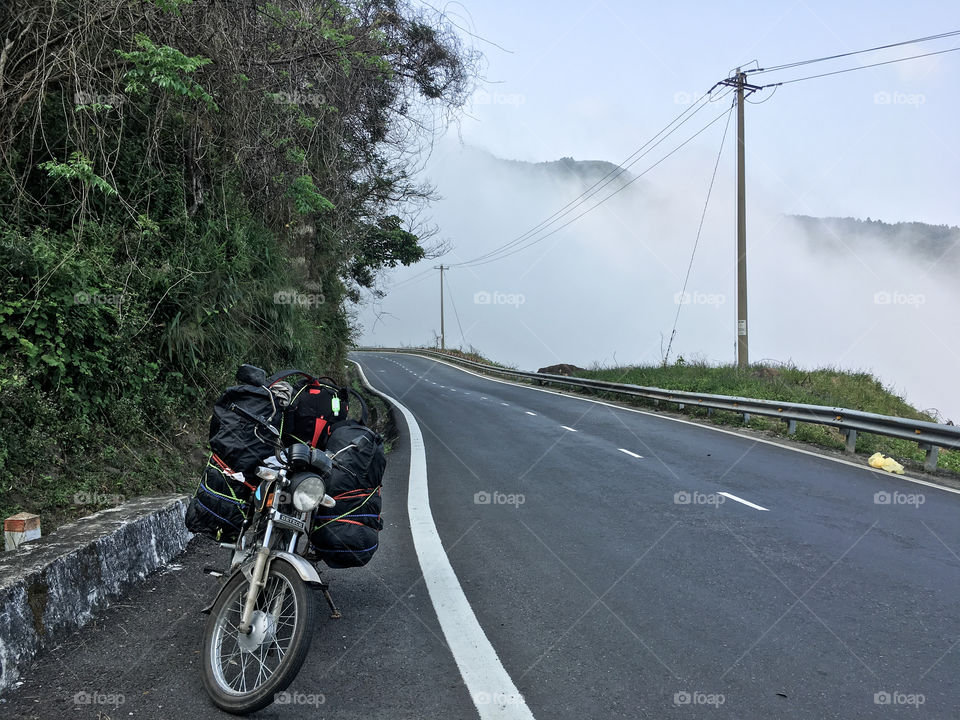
<point>606,570</point>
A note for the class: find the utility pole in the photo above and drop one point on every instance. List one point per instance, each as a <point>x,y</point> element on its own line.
<point>743,346</point>
<point>443,341</point>
<point>739,81</point>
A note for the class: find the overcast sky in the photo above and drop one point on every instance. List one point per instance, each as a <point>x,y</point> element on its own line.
<point>595,81</point>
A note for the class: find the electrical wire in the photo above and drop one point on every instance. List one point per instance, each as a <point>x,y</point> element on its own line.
<point>696,243</point>
<point>597,186</point>
<point>786,66</point>
<point>623,187</point>
<point>860,67</point>
<point>455,313</point>
<point>412,279</point>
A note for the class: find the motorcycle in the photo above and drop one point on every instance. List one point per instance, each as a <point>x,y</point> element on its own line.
<point>261,622</point>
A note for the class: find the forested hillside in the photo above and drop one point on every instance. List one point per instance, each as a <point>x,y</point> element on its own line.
<point>187,185</point>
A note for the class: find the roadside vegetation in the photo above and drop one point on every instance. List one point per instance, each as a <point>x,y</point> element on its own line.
<point>824,386</point>
<point>188,185</point>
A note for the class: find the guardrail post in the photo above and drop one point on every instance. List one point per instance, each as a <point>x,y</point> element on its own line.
<point>933,454</point>
<point>791,427</point>
<point>746,418</point>
<point>679,406</point>
<point>851,439</point>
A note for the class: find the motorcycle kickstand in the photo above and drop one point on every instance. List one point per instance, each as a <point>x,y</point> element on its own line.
<point>334,612</point>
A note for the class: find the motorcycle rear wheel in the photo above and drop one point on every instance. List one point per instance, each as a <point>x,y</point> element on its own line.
<point>242,673</point>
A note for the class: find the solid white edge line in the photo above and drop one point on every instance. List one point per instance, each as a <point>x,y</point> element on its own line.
<point>812,453</point>
<point>631,454</point>
<point>741,500</point>
<point>491,688</point>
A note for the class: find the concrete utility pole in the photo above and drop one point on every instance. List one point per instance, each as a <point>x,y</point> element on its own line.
<point>443,341</point>
<point>739,81</point>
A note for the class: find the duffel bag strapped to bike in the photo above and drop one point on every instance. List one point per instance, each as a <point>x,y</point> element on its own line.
<point>220,504</point>
<point>316,405</point>
<point>347,535</point>
<point>233,437</point>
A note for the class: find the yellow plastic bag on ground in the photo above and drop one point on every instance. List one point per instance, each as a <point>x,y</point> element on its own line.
<point>881,462</point>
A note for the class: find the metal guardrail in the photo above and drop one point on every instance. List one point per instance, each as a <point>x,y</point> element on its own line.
<point>929,436</point>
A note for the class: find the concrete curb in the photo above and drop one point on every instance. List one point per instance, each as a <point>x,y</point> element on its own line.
<point>51,587</point>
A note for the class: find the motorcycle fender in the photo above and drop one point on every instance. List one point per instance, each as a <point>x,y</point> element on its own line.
<point>307,572</point>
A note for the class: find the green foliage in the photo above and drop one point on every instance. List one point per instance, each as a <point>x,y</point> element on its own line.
<point>385,244</point>
<point>233,169</point>
<point>306,198</point>
<point>78,167</point>
<point>164,67</point>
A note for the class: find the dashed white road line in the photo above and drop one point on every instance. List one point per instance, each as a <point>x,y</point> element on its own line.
<point>568,428</point>
<point>531,413</point>
<point>741,500</point>
<point>482,671</point>
<point>507,404</point>
<point>631,454</point>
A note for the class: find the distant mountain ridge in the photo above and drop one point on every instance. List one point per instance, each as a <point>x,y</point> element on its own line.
<point>585,170</point>
<point>933,243</point>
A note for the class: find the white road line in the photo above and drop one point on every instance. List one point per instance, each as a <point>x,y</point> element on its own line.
<point>482,397</point>
<point>531,413</point>
<point>507,404</point>
<point>741,500</point>
<point>631,454</point>
<point>482,671</point>
<point>568,428</point>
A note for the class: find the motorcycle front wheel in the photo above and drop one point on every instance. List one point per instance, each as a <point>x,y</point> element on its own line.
<point>243,672</point>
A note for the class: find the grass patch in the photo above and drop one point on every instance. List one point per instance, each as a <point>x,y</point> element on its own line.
<point>824,386</point>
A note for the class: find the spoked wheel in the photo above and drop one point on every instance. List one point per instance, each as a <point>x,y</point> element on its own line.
<point>243,672</point>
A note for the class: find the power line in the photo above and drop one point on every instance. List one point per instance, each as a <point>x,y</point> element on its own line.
<point>412,280</point>
<point>597,186</point>
<point>786,66</point>
<point>859,67</point>
<point>598,204</point>
<point>455,313</point>
<point>696,243</point>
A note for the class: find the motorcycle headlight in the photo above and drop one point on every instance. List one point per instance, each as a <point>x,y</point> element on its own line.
<point>308,491</point>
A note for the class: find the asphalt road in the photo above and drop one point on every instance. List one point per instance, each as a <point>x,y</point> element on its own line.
<point>606,570</point>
